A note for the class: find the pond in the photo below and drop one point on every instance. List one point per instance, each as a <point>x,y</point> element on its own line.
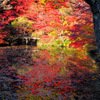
<point>32,73</point>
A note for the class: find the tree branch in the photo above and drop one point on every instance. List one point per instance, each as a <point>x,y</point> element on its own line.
<point>4,5</point>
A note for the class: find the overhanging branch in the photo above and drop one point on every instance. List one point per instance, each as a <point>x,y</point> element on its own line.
<point>4,5</point>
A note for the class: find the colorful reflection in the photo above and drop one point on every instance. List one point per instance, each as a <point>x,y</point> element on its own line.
<point>47,74</point>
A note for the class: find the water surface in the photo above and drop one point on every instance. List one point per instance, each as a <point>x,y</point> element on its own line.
<point>31,73</point>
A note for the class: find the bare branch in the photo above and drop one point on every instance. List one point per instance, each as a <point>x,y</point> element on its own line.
<point>4,5</point>
<point>5,2</point>
<point>8,7</point>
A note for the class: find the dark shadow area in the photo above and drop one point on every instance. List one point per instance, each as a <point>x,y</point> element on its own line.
<point>87,86</point>
<point>20,41</point>
<point>95,55</point>
<point>10,80</point>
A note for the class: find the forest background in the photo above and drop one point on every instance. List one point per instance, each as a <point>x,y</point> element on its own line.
<point>64,23</point>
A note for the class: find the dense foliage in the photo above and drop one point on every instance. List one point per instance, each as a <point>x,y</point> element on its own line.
<point>65,29</point>
<point>64,23</point>
<point>60,19</point>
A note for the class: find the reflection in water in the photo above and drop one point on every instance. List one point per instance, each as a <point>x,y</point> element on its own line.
<point>28,73</point>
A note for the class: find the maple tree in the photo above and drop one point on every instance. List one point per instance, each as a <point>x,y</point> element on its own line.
<point>7,14</point>
<point>62,23</point>
<point>60,19</point>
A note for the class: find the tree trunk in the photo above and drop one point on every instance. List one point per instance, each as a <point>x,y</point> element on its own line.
<point>95,8</point>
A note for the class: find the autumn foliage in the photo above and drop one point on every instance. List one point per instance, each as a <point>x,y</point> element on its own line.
<point>55,18</point>
<point>62,23</point>
<point>61,65</point>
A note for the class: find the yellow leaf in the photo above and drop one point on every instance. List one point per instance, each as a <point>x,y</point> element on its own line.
<point>42,1</point>
<point>64,23</point>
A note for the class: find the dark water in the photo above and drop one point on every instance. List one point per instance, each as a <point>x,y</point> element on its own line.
<point>31,73</point>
